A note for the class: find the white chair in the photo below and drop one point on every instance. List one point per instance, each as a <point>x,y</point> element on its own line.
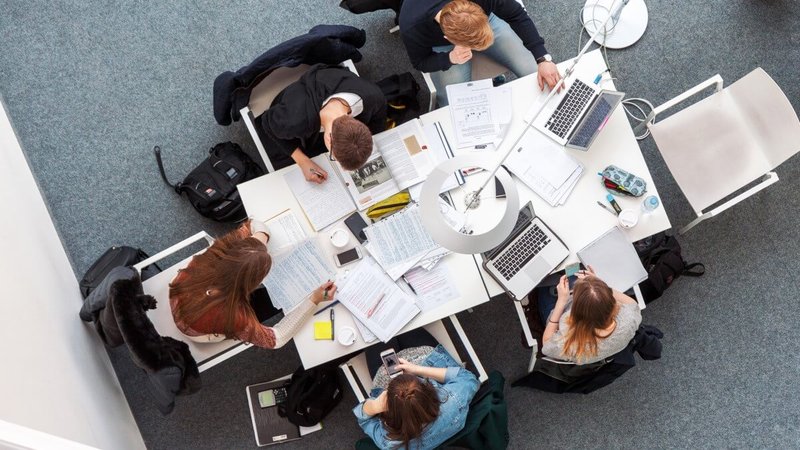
<point>264,93</point>
<point>357,374</point>
<point>207,354</point>
<point>717,147</point>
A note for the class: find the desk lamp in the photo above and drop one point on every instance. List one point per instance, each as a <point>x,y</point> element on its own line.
<point>464,240</point>
<point>624,30</point>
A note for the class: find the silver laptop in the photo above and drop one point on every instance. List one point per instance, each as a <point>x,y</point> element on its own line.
<point>526,256</point>
<point>578,117</point>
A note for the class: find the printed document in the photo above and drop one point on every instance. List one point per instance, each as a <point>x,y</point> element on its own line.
<point>323,203</point>
<point>434,287</point>
<point>400,239</point>
<point>284,231</point>
<point>479,112</point>
<point>375,300</point>
<point>296,272</point>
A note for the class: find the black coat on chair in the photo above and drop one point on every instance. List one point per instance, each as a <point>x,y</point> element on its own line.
<point>328,44</point>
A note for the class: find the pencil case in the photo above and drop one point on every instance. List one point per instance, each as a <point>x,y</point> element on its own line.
<point>619,181</point>
<point>392,204</point>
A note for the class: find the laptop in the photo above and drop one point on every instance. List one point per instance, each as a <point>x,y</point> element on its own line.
<point>580,115</point>
<point>269,427</point>
<point>526,256</point>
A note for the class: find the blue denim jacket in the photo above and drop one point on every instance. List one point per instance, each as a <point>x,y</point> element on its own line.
<point>459,386</point>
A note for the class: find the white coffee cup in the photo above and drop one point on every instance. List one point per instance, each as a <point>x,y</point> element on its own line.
<point>628,218</point>
<point>346,336</point>
<point>339,238</point>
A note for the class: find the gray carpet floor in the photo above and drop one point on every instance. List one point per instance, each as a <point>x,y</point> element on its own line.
<point>91,86</point>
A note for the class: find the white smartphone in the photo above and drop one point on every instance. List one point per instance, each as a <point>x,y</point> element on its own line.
<point>390,361</point>
<point>354,254</point>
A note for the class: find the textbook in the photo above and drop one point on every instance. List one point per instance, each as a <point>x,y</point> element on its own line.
<point>400,159</point>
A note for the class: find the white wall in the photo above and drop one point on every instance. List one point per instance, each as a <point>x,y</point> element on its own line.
<point>55,375</point>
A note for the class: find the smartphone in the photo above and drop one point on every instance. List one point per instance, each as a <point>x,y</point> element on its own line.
<point>356,224</point>
<point>354,254</point>
<point>391,363</point>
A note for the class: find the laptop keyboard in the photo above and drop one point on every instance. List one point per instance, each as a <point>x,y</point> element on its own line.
<point>530,243</point>
<point>577,96</point>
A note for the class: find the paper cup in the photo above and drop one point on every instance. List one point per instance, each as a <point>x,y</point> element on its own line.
<point>339,238</point>
<point>628,218</point>
<point>346,336</point>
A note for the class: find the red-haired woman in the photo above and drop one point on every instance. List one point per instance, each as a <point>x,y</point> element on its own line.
<point>598,322</point>
<point>425,405</point>
<point>210,298</point>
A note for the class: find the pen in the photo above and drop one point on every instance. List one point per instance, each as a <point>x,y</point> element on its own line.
<point>375,305</point>
<point>614,204</point>
<point>606,208</point>
<point>409,284</point>
<point>316,172</point>
<point>333,325</point>
<point>330,305</point>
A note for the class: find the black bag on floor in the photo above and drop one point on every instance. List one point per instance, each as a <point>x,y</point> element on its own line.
<point>402,104</point>
<point>114,257</point>
<point>662,259</point>
<point>211,186</point>
<point>312,394</point>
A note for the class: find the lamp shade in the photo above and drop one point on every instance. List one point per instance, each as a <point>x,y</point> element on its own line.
<point>464,241</point>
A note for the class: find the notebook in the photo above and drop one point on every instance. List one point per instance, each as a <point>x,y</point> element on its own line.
<point>614,260</point>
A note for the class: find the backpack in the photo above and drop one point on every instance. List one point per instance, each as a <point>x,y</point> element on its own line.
<point>211,186</point>
<point>111,258</point>
<point>661,258</point>
<point>402,104</point>
<point>312,394</point>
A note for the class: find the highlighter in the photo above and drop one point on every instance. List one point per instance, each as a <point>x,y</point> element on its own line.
<point>613,203</point>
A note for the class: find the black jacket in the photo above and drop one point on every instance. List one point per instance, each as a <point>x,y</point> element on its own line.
<point>122,319</point>
<point>292,121</point>
<point>588,378</point>
<point>330,44</point>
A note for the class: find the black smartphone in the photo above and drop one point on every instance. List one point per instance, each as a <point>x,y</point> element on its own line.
<point>356,224</point>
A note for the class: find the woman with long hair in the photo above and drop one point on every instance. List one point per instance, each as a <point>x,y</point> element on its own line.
<point>422,407</point>
<point>591,323</point>
<point>210,298</point>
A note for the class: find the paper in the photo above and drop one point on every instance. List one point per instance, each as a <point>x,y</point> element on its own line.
<point>433,287</point>
<point>308,430</point>
<point>284,231</point>
<point>400,238</point>
<point>614,260</point>
<point>295,273</point>
<point>375,300</point>
<point>478,111</point>
<point>323,203</point>
<point>367,335</point>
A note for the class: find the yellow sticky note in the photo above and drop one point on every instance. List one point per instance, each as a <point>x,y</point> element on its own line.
<point>323,330</point>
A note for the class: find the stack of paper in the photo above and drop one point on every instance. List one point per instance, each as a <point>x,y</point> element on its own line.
<point>375,300</point>
<point>545,167</point>
<point>400,241</point>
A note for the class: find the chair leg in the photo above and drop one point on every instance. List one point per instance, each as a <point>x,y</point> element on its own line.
<point>533,357</point>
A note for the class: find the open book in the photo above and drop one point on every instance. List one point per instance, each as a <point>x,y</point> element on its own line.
<point>400,158</point>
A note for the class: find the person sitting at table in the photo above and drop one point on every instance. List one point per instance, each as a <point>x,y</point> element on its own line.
<point>328,108</point>
<point>440,36</point>
<point>422,407</point>
<point>591,323</point>
<point>210,298</point>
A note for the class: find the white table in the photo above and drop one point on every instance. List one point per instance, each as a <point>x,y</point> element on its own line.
<point>580,220</point>
<point>269,195</point>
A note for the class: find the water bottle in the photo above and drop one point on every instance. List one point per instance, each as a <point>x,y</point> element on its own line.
<point>650,204</point>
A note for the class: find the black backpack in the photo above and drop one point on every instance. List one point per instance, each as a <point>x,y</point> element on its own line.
<point>114,257</point>
<point>211,186</point>
<point>661,257</point>
<point>312,394</point>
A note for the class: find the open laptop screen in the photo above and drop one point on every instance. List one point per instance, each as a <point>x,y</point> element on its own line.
<point>594,120</point>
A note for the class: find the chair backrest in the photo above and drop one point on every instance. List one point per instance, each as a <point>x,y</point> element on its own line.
<point>722,143</point>
<point>267,89</point>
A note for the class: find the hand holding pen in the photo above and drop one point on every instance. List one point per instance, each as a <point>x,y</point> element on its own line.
<point>324,293</point>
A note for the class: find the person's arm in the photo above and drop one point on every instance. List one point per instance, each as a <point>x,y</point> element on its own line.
<point>519,20</point>
<point>623,298</point>
<point>555,316</point>
<point>366,413</point>
<point>311,171</point>
<point>422,56</point>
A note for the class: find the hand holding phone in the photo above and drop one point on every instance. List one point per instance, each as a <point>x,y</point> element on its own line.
<point>391,362</point>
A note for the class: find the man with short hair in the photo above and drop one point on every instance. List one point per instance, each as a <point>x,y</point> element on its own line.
<point>440,36</point>
<point>327,109</point>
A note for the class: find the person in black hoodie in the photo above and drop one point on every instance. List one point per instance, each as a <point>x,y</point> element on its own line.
<point>327,109</point>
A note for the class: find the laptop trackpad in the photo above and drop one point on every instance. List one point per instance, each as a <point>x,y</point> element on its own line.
<point>537,269</point>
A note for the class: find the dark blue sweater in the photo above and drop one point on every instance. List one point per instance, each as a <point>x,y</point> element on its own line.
<point>421,32</point>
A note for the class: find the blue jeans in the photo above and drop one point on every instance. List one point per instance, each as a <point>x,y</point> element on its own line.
<point>506,50</point>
